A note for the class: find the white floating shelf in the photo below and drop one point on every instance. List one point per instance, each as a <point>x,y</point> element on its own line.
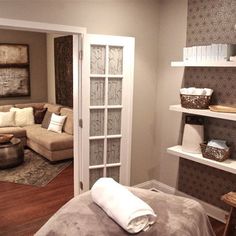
<point>203,64</point>
<point>204,112</point>
<point>228,165</point>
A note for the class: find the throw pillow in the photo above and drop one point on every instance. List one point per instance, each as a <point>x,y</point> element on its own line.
<point>23,116</point>
<point>56,123</point>
<point>39,115</point>
<point>7,119</point>
<point>68,126</point>
<point>46,119</point>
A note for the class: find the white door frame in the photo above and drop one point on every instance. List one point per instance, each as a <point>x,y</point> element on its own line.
<point>78,34</point>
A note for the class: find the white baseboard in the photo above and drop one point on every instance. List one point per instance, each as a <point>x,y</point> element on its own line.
<point>212,211</point>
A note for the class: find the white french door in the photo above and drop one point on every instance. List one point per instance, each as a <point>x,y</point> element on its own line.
<point>107,95</point>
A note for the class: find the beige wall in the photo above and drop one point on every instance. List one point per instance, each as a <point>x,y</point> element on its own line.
<point>137,18</point>
<point>155,82</point>
<point>172,38</point>
<point>51,69</point>
<point>38,65</point>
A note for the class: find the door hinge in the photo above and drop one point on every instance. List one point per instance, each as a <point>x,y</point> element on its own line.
<point>81,55</point>
<point>80,123</point>
<point>81,185</point>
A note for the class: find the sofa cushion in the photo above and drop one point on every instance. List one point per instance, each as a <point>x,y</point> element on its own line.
<point>24,116</point>
<point>46,120</point>
<point>5,108</point>
<point>54,108</point>
<point>50,140</point>
<point>16,131</point>
<point>39,115</point>
<point>7,118</point>
<point>56,123</point>
<point>68,126</point>
<point>38,105</point>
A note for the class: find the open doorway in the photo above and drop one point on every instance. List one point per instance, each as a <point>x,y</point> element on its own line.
<point>34,196</point>
<point>106,126</point>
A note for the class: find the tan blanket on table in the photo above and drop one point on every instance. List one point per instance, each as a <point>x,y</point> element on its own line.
<point>176,216</point>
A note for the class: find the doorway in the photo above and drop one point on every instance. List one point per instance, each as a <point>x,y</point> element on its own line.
<point>41,205</point>
<point>115,137</point>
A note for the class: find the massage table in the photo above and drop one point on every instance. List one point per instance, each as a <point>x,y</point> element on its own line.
<point>176,216</point>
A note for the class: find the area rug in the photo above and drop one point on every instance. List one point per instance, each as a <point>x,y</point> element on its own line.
<point>35,170</point>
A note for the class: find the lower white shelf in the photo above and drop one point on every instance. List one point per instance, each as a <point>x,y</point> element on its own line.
<point>204,112</point>
<point>228,165</point>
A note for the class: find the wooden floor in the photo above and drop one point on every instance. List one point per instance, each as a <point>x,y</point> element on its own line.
<point>24,209</point>
<point>218,227</point>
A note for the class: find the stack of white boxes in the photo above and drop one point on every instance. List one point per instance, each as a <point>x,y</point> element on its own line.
<point>209,53</point>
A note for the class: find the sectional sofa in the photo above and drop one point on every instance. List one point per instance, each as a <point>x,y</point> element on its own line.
<point>51,145</point>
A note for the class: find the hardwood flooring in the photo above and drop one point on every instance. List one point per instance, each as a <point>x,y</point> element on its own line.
<point>24,209</point>
<point>217,226</point>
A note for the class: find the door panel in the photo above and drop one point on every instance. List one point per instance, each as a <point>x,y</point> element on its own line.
<point>97,91</point>
<point>114,91</point>
<point>107,109</point>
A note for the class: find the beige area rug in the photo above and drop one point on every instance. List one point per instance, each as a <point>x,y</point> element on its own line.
<point>35,170</point>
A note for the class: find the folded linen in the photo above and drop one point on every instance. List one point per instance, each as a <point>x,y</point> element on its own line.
<point>196,91</point>
<point>217,144</point>
<point>130,212</point>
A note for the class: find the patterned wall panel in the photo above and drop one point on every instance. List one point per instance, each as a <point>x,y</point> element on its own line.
<point>211,21</point>
<point>63,48</point>
<point>205,183</point>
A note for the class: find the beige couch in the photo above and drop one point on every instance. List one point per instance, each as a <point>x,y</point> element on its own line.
<point>53,146</point>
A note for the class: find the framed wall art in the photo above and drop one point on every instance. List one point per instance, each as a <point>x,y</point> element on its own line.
<point>14,70</point>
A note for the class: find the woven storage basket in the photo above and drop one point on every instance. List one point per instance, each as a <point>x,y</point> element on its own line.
<point>214,153</point>
<point>195,101</point>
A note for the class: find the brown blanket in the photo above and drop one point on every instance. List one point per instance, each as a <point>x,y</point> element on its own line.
<point>176,216</point>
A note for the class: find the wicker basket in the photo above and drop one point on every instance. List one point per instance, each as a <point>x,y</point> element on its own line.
<point>214,153</point>
<point>195,101</point>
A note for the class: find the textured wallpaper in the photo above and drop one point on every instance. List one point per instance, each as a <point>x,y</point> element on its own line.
<point>211,21</point>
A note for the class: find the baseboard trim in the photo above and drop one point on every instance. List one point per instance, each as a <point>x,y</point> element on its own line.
<point>212,211</point>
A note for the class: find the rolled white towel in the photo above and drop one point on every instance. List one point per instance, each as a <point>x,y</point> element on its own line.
<point>196,91</point>
<point>199,91</point>
<point>183,91</point>
<point>217,143</point>
<point>188,91</point>
<point>130,212</point>
<point>208,91</point>
<point>191,90</point>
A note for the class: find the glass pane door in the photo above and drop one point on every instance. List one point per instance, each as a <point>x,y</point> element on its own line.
<point>107,109</point>
<point>106,75</point>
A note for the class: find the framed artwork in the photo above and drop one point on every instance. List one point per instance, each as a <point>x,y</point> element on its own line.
<point>14,70</point>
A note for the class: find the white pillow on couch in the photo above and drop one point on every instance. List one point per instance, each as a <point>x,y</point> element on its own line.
<point>56,123</point>
<point>24,116</point>
<point>7,119</point>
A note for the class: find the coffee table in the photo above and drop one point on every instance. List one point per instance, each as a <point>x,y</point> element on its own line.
<point>11,153</point>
